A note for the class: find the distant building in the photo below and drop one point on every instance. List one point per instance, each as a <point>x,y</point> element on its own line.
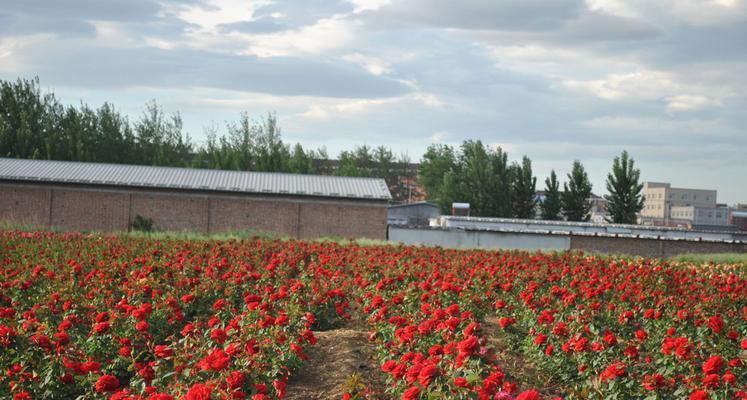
<point>413,214</point>
<point>598,212</point>
<point>460,209</point>
<point>699,217</point>
<point>738,218</point>
<point>665,205</point>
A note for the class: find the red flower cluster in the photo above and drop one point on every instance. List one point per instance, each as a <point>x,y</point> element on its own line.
<point>146,319</point>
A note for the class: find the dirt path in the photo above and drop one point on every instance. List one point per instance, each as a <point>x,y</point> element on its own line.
<point>342,360</point>
<point>514,364</point>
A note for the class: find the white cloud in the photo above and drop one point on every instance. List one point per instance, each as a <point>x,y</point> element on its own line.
<point>689,102</point>
<point>325,35</point>
<point>373,65</point>
<point>354,108</point>
<point>219,12</point>
<point>363,5</point>
<point>648,85</point>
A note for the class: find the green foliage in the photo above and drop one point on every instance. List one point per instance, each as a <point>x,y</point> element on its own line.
<point>552,205</point>
<point>624,200</point>
<point>576,192</point>
<point>435,163</point>
<point>142,224</point>
<point>480,176</point>
<point>523,189</point>
<point>37,126</point>
<point>716,258</point>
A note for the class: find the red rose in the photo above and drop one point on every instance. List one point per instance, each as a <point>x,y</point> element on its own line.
<point>613,371</point>
<point>698,395</point>
<point>163,351</point>
<point>107,383</point>
<point>425,377</point>
<point>529,395</point>
<point>411,394</point>
<point>713,365</point>
<point>217,360</point>
<point>199,391</point>
<point>235,380</point>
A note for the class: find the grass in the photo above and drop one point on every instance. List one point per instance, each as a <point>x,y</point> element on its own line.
<point>717,258</point>
<point>197,236</point>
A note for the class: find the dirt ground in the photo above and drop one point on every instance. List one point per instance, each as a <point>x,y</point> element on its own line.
<point>526,375</point>
<point>341,360</point>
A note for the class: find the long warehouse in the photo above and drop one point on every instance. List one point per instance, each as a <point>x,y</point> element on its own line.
<point>108,197</point>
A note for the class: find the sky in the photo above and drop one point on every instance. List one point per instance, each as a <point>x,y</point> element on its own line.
<point>555,80</point>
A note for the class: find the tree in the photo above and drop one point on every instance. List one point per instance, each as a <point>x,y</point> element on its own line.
<point>272,155</point>
<point>451,191</point>
<point>436,162</point>
<point>523,190</point>
<point>300,161</point>
<point>348,165</point>
<point>499,184</point>
<point>625,199</point>
<point>576,192</point>
<point>551,207</point>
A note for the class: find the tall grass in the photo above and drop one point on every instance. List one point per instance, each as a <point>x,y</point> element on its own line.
<point>716,258</point>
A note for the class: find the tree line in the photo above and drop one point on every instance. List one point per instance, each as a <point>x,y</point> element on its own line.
<point>37,125</point>
<point>494,187</point>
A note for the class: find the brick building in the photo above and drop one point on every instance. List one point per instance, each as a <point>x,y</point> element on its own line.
<point>90,196</point>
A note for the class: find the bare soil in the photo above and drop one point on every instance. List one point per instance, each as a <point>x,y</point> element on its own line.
<point>515,365</point>
<point>341,361</point>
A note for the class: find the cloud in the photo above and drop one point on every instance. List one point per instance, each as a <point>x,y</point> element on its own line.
<point>556,80</point>
<point>474,14</point>
<point>656,86</point>
<point>107,67</point>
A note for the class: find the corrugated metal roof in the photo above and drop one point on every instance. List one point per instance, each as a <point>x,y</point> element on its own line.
<point>194,179</point>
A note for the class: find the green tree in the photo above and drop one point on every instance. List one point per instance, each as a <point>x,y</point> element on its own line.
<point>272,155</point>
<point>451,191</point>
<point>524,190</point>
<point>435,163</point>
<point>624,200</point>
<point>551,207</point>
<point>576,192</point>
<point>300,161</point>
<point>499,184</point>
<point>383,159</point>
<point>348,165</point>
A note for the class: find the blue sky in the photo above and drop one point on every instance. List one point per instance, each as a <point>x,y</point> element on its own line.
<point>555,80</point>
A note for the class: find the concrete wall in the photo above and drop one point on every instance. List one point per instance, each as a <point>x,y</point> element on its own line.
<point>578,227</point>
<point>646,247</point>
<point>652,247</point>
<point>78,207</point>
<point>459,239</point>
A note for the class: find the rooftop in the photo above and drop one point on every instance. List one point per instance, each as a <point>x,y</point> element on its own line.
<point>192,179</point>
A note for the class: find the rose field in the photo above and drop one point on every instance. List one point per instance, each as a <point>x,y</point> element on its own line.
<point>124,317</point>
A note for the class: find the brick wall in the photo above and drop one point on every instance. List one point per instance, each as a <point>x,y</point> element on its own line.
<point>253,215</point>
<point>103,209</point>
<point>170,212</point>
<point>90,210</point>
<point>319,220</point>
<point>26,206</point>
